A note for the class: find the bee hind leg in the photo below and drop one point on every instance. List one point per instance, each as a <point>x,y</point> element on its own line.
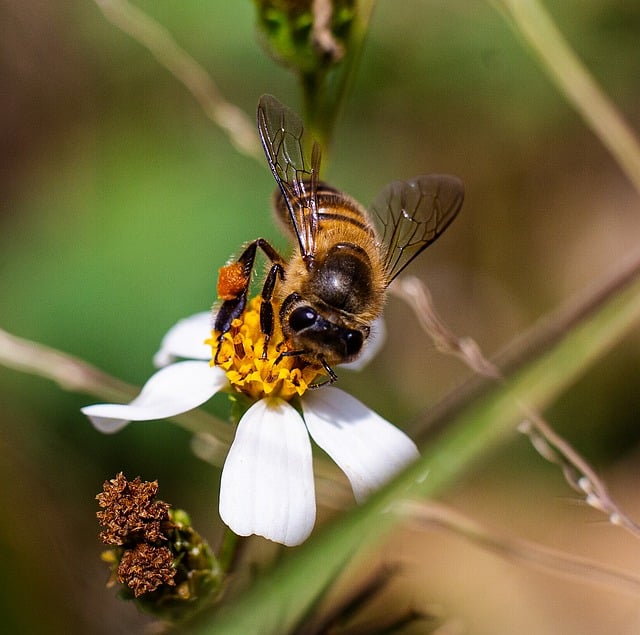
<point>229,310</point>
<point>233,286</point>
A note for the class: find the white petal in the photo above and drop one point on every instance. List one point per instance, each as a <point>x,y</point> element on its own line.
<point>169,392</point>
<point>367,448</point>
<point>186,339</point>
<point>267,483</point>
<point>372,346</point>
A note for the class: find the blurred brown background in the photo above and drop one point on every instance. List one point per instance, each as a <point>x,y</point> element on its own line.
<point>119,200</point>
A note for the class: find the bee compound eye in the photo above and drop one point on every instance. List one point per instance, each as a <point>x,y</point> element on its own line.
<point>354,340</point>
<point>301,318</point>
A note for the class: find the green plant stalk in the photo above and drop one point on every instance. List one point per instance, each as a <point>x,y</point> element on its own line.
<point>280,599</point>
<point>530,20</point>
<point>324,92</point>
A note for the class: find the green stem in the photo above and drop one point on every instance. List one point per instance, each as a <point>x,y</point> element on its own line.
<point>228,549</point>
<point>324,91</point>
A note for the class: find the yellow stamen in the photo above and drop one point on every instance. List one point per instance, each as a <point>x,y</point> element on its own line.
<point>240,356</point>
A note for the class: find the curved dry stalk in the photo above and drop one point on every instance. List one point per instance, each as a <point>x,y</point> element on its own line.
<point>417,296</point>
<point>69,372</point>
<point>576,470</point>
<point>430,514</point>
<point>153,36</point>
<point>74,374</point>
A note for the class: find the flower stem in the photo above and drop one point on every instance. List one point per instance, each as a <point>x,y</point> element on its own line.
<point>324,91</point>
<point>228,549</point>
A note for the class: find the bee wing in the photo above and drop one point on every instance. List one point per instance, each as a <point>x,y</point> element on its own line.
<point>282,135</point>
<point>412,214</point>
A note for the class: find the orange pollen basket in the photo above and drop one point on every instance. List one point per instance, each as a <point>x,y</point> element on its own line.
<point>231,280</point>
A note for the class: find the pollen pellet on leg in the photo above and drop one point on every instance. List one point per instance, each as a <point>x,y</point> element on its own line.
<point>231,281</point>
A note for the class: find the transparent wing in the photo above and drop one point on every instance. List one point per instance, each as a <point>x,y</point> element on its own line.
<point>296,173</point>
<point>412,214</point>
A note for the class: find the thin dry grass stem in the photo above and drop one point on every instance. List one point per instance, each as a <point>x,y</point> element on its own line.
<point>578,473</point>
<point>430,514</point>
<point>210,448</point>
<point>76,375</point>
<point>160,43</point>
<point>69,372</point>
<point>417,296</point>
<point>535,25</point>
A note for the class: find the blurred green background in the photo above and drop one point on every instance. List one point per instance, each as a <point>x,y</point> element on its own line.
<point>120,200</point>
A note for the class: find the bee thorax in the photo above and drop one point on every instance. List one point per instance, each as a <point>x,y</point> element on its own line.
<point>343,280</point>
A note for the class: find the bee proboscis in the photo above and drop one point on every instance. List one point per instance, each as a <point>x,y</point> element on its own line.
<point>334,284</point>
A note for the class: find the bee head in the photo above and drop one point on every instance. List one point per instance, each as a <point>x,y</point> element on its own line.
<point>321,334</point>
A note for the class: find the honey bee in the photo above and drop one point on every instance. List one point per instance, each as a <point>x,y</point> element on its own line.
<point>334,285</point>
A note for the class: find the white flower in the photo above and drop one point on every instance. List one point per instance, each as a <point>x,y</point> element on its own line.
<point>267,485</point>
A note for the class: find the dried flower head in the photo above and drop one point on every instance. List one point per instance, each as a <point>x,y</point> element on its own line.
<point>163,563</point>
<point>145,568</point>
<point>130,512</point>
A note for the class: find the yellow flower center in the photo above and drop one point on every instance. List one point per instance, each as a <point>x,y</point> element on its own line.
<point>249,371</point>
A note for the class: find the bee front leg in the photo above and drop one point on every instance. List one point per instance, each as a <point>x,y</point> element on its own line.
<point>332,375</point>
<point>330,372</point>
